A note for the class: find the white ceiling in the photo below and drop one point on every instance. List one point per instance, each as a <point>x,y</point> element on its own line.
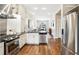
<point>43,10</point>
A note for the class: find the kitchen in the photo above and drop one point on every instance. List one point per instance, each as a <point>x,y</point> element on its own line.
<point>25,27</point>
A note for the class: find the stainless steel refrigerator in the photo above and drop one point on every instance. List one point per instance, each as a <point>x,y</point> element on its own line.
<point>70,32</point>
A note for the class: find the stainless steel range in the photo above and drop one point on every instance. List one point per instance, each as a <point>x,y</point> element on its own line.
<point>42,34</point>
<point>11,45</point>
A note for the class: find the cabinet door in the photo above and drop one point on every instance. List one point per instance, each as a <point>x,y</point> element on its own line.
<point>20,43</point>
<point>32,38</point>
<point>22,40</point>
<point>29,38</point>
<point>2,48</point>
<point>36,38</point>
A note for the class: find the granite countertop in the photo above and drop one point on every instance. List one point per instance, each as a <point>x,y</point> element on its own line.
<point>10,40</point>
<point>2,38</point>
<point>32,32</point>
<point>6,36</point>
<point>35,32</point>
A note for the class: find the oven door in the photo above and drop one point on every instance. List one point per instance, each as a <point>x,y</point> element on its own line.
<point>12,47</point>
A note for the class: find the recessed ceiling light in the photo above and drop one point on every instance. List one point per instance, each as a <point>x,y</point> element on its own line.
<point>44,8</point>
<point>35,8</point>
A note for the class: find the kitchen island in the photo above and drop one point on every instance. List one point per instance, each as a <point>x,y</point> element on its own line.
<point>34,38</point>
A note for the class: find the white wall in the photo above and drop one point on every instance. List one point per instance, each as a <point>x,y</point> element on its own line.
<point>3,25</point>
<point>58,26</point>
<point>51,22</point>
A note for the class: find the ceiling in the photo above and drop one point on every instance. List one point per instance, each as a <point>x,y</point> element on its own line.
<point>68,7</point>
<point>42,10</point>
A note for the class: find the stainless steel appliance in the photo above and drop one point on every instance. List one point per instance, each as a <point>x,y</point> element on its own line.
<point>42,33</point>
<point>42,38</point>
<point>70,32</point>
<point>11,46</point>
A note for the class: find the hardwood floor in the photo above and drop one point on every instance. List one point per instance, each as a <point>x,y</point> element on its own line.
<point>43,49</point>
<point>29,50</point>
<point>53,48</point>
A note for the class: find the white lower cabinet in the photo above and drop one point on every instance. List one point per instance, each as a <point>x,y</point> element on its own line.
<point>2,48</point>
<point>22,40</point>
<point>32,38</point>
<point>20,43</point>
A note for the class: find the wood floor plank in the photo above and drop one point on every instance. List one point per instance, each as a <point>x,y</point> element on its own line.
<point>52,48</point>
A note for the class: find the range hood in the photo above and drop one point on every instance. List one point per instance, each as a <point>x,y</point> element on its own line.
<point>6,16</point>
<point>6,12</point>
